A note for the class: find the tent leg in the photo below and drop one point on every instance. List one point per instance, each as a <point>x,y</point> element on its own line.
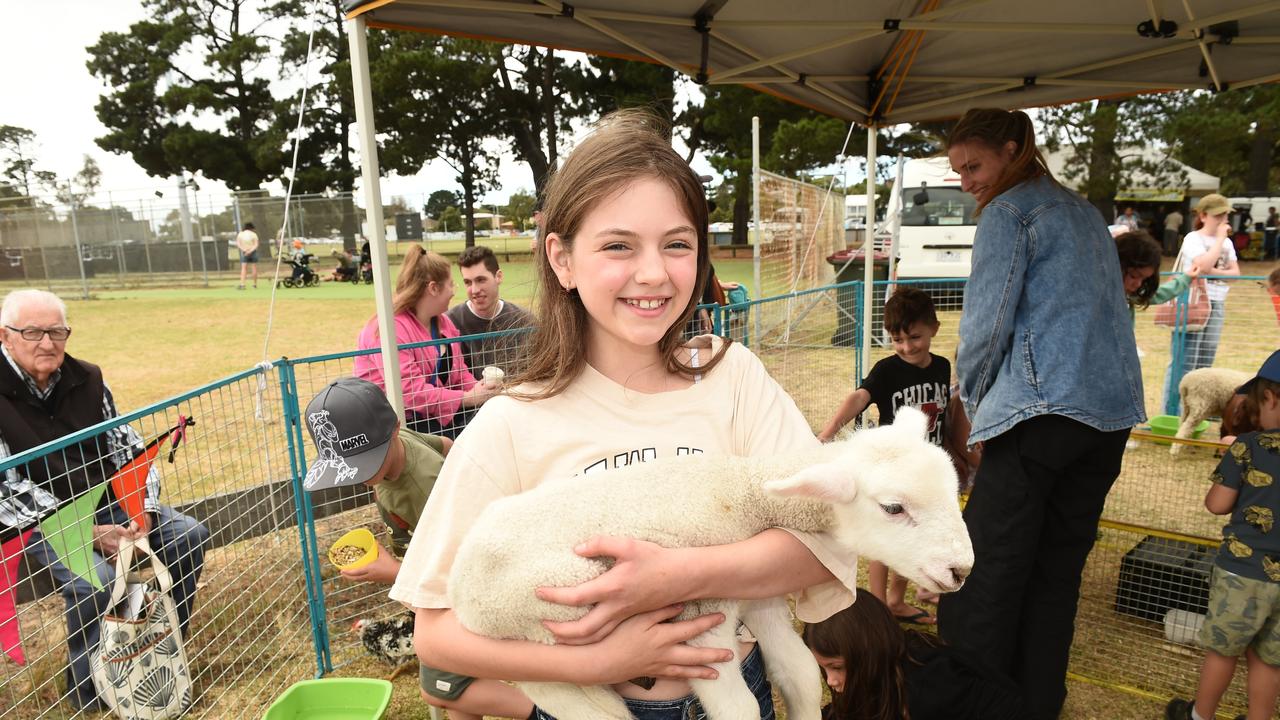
<point>356,35</point>
<point>869,250</point>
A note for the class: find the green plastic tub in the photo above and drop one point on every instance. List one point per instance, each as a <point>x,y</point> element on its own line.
<point>332,699</point>
<point>1168,425</point>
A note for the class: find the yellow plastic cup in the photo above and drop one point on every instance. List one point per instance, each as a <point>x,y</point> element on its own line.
<point>361,538</point>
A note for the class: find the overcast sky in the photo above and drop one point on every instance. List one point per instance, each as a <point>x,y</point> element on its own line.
<point>48,89</point>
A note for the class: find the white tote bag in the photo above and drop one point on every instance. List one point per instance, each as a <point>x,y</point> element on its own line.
<point>140,666</point>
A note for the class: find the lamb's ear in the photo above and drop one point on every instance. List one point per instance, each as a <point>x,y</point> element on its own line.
<point>911,422</point>
<point>832,482</point>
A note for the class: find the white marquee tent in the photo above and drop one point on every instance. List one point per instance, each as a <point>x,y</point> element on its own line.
<point>874,62</point>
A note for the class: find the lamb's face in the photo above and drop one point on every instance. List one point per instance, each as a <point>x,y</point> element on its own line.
<point>894,497</point>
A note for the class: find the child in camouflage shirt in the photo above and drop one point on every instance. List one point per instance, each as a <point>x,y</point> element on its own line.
<point>1244,595</point>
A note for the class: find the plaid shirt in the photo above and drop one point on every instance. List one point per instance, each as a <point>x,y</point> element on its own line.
<point>21,502</point>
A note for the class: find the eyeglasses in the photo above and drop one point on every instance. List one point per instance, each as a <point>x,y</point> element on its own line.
<point>35,334</point>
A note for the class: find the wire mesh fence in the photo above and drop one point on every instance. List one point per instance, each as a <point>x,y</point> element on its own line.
<point>226,528</point>
<point>270,608</point>
<point>801,225</point>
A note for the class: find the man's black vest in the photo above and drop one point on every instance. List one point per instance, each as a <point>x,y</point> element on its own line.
<point>76,403</point>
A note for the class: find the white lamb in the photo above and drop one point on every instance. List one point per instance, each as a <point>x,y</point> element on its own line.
<point>1205,393</point>
<point>887,494</point>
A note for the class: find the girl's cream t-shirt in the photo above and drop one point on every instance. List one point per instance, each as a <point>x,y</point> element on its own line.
<point>511,446</point>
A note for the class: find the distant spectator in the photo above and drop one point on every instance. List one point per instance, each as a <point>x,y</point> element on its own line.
<point>1207,247</point>
<point>247,244</point>
<point>440,393</point>
<point>1270,246</point>
<point>346,269</point>
<point>485,311</point>
<point>1127,218</point>
<point>1172,231</point>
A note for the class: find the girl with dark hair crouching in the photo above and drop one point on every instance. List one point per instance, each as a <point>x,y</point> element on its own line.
<point>878,671</point>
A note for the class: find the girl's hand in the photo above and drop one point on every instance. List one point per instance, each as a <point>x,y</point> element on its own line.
<point>644,577</point>
<point>649,645</point>
<point>1193,272</point>
<point>383,569</point>
<point>1224,231</point>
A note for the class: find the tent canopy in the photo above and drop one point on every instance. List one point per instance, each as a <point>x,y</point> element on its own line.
<point>881,62</point>
<point>1143,187</point>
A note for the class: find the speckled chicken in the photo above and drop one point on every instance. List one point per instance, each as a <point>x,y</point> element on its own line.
<point>389,640</point>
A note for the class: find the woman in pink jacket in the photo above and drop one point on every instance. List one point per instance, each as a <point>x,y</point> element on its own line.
<point>440,393</point>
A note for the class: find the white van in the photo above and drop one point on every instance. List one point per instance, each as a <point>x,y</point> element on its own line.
<point>935,237</point>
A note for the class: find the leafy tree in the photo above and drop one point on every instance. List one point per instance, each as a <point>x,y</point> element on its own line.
<point>1234,135</point>
<point>439,201</point>
<point>1105,143</point>
<point>519,207</point>
<point>806,139</point>
<point>435,102</point>
<point>84,184</point>
<point>450,219</point>
<point>324,156</point>
<point>539,95</point>
<point>189,59</point>
<point>18,166</point>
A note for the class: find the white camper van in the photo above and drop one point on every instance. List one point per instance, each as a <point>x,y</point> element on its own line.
<point>935,237</point>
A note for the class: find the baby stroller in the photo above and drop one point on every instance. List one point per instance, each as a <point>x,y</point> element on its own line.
<point>303,275</point>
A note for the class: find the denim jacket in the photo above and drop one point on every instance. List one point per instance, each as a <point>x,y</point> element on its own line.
<point>1046,329</point>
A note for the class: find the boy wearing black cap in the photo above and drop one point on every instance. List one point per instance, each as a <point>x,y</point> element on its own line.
<point>1244,596</point>
<point>358,439</point>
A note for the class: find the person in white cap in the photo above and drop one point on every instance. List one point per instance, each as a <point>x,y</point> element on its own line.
<point>1209,248</point>
<point>358,439</point>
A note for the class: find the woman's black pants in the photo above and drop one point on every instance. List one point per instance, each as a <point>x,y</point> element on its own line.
<point>1033,518</point>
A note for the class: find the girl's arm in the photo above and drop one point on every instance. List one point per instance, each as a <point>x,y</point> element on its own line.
<point>645,645</point>
<point>1171,288</point>
<point>646,576</point>
<point>851,408</point>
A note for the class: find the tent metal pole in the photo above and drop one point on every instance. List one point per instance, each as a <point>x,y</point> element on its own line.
<point>757,227</point>
<point>869,248</point>
<point>357,38</point>
<point>1204,49</point>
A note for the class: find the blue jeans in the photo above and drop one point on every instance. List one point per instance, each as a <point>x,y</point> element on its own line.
<point>177,539</point>
<point>688,707</point>
<point>1202,348</point>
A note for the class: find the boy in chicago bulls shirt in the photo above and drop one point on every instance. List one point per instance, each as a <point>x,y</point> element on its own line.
<point>911,377</point>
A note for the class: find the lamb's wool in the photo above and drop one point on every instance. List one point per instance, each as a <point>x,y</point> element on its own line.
<point>851,489</point>
<point>1205,393</point>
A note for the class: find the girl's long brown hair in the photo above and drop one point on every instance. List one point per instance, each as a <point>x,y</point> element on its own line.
<point>873,646</point>
<point>420,269</point>
<point>993,128</point>
<point>626,146</point>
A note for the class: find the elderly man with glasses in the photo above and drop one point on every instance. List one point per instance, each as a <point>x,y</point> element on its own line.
<point>46,394</point>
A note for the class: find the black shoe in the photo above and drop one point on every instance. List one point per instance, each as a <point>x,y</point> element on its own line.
<point>1178,709</point>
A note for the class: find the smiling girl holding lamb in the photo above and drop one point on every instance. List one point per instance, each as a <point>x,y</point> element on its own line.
<point>609,384</point>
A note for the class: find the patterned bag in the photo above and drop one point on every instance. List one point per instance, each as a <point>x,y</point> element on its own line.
<point>140,665</point>
<point>1198,308</point>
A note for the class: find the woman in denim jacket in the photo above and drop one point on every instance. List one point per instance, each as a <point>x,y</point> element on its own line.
<point>1049,376</point>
